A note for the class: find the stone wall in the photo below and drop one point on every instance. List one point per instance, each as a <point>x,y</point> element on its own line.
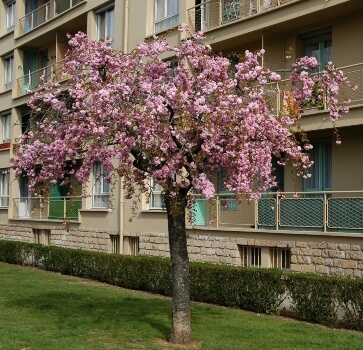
<point>322,258</point>
<point>95,240</point>
<point>16,233</point>
<point>329,256</point>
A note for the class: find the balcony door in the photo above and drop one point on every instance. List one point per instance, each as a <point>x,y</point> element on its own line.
<point>321,170</point>
<point>24,206</point>
<point>29,66</point>
<point>31,16</point>
<point>56,203</point>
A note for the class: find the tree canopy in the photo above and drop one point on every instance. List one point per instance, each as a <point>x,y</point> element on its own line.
<point>142,117</point>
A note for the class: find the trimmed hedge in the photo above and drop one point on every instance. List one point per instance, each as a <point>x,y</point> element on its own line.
<point>333,301</point>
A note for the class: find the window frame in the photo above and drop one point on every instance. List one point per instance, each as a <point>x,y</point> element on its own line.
<point>105,12</point>
<point>153,193</point>
<point>10,14</point>
<point>319,37</point>
<point>104,187</point>
<point>6,126</point>
<point>8,62</point>
<point>322,167</point>
<point>4,187</point>
<point>167,19</point>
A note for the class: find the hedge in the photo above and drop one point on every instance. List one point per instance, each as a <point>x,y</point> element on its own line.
<point>333,301</point>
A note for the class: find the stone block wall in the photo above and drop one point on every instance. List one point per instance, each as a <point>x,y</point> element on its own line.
<point>95,240</point>
<point>16,233</point>
<point>330,257</point>
<point>322,258</point>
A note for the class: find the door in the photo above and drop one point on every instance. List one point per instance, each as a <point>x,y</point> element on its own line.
<point>44,65</point>
<point>199,212</point>
<point>56,203</point>
<point>29,66</point>
<point>24,206</point>
<point>321,170</point>
<point>31,16</point>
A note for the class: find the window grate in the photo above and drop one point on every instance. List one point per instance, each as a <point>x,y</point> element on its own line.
<point>280,258</point>
<point>115,244</point>
<point>250,256</point>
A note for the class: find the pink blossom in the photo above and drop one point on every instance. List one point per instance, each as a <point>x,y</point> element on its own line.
<point>126,111</point>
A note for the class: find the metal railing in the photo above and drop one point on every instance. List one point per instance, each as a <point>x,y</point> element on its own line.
<point>46,12</point>
<point>33,80</point>
<point>275,92</point>
<point>53,208</point>
<point>214,13</point>
<point>329,211</point>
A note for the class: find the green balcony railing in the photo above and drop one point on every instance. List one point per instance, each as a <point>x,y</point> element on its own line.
<point>53,208</point>
<point>331,211</point>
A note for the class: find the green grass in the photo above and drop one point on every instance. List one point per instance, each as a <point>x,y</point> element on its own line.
<point>41,311</point>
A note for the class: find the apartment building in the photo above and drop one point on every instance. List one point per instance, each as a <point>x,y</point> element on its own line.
<point>313,225</point>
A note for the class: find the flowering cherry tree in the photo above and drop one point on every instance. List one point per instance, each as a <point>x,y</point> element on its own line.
<point>176,128</point>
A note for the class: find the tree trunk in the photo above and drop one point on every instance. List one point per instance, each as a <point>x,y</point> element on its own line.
<point>181,332</point>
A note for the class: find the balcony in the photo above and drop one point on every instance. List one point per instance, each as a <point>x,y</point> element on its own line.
<point>295,211</point>
<point>33,80</point>
<point>46,12</point>
<point>275,92</point>
<point>215,13</point>
<point>53,208</point>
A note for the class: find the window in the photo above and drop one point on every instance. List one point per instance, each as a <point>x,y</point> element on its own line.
<point>318,44</point>
<point>10,13</point>
<point>4,187</point>
<point>6,122</point>
<point>156,196</point>
<point>280,258</point>
<point>8,71</point>
<point>166,14</point>
<point>250,256</point>
<point>101,188</point>
<point>321,170</point>
<point>173,66</point>
<point>105,22</point>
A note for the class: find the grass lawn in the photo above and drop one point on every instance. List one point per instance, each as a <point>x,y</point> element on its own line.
<point>48,311</point>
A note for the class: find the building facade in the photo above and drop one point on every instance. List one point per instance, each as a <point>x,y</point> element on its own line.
<point>313,225</point>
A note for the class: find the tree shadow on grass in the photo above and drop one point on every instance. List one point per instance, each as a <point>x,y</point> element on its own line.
<point>69,309</point>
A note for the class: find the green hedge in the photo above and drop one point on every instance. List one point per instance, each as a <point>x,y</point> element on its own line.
<point>333,301</point>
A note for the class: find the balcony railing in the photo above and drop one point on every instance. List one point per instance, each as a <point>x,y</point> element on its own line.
<point>275,92</point>
<point>214,13</point>
<point>53,208</point>
<point>33,80</point>
<point>302,211</point>
<point>46,12</point>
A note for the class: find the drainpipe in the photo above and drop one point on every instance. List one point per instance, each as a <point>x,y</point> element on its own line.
<point>121,217</point>
<point>126,26</point>
<point>121,214</point>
